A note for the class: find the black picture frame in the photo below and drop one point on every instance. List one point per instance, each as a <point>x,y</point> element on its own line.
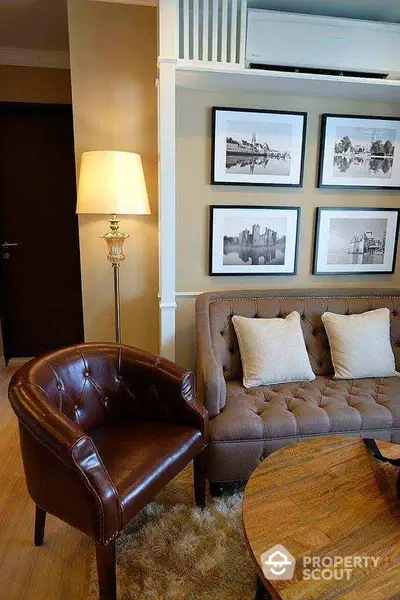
<point>320,238</point>
<point>254,180</point>
<point>246,271</point>
<point>323,151</point>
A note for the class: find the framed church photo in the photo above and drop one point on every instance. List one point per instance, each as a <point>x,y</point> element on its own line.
<point>359,152</point>
<point>355,240</point>
<point>257,147</point>
<point>253,240</point>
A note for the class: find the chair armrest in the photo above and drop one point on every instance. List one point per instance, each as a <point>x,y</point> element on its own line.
<point>49,425</point>
<point>51,435</point>
<point>176,386</point>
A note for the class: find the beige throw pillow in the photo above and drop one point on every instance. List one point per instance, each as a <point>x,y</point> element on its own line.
<point>272,350</point>
<point>360,344</point>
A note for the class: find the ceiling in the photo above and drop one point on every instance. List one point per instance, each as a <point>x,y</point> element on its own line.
<point>42,24</point>
<point>34,24</point>
<point>374,10</point>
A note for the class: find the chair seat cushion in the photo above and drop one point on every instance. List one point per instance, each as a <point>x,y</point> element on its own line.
<point>141,458</point>
<point>307,408</point>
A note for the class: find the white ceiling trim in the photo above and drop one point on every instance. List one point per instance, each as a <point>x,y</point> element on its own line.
<point>24,57</point>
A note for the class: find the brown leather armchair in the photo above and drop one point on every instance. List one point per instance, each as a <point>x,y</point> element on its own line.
<point>103,428</point>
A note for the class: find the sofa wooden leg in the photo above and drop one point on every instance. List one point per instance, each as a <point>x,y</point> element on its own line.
<point>40,522</point>
<point>199,466</point>
<point>106,571</point>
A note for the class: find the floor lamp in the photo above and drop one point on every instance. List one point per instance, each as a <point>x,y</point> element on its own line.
<point>112,182</point>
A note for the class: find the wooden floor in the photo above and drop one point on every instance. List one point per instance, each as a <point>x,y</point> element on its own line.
<point>59,570</point>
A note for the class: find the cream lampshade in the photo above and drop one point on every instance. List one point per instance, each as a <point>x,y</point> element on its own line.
<point>112,183</point>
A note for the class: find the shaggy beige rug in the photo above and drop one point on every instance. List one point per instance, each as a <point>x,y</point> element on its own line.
<point>174,551</point>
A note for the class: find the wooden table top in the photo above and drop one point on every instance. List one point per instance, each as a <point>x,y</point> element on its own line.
<point>327,497</point>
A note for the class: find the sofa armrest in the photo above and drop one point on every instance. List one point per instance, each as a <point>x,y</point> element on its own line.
<point>212,386</point>
<point>210,376</point>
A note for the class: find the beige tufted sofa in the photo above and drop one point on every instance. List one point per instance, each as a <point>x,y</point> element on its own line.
<point>248,424</point>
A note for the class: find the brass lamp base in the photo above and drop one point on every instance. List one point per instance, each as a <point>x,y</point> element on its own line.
<point>115,241</point>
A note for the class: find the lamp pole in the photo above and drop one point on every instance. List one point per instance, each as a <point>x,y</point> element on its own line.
<point>115,242</point>
<point>117,305</point>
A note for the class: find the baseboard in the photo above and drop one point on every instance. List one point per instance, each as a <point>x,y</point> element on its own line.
<point>18,362</point>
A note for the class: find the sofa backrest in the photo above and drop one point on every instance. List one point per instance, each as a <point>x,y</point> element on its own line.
<point>215,310</point>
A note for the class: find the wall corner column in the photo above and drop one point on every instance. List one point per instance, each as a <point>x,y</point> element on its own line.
<point>166,174</point>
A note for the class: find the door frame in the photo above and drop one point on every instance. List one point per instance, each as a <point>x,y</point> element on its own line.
<point>10,104</point>
<point>2,359</point>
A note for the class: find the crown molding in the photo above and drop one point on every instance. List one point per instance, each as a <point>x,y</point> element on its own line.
<point>141,2</point>
<point>25,57</point>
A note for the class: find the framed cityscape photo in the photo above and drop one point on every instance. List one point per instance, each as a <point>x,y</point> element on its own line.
<point>355,240</point>
<point>253,240</point>
<point>257,147</point>
<point>359,152</point>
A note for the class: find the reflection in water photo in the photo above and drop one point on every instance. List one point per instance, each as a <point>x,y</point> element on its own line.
<point>359,166</point>
<point>258,165</point>
<point>253,240</point>
<point>257,147</point>
<point>356,241</point>
<point>254,243</point>
<point>364,152</point>
<point>358,151</point>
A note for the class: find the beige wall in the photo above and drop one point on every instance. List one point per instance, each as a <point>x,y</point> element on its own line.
<point>113,51</point>
<point>32,84</point>
<point>195,194</point>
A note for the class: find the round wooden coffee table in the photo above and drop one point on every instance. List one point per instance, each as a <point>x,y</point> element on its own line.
<point>323,500</point>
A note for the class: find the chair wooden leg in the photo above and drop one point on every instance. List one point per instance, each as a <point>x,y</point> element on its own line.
<point>40,522</point>
<point>199,466</point>
<point>261,592</point>
<point>106,571</point>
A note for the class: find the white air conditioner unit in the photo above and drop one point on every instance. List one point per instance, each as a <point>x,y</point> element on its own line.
<point>280,39</point>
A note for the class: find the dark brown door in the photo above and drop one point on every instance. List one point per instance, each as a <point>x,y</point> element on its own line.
<point>41,300</point>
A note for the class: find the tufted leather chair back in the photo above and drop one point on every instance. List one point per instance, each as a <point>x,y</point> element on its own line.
<point>221,306</point>
<point>95,383</point>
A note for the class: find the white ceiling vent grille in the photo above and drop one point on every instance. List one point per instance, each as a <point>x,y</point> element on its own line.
<point>212,31</point>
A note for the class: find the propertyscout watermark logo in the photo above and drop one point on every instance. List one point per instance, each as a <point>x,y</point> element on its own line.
<point>278,563</point>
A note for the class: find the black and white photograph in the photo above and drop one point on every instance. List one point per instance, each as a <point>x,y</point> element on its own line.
<point>360,152</point>
<point>253,240</point>
<point>258,147</point>
<point>355,240</point>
